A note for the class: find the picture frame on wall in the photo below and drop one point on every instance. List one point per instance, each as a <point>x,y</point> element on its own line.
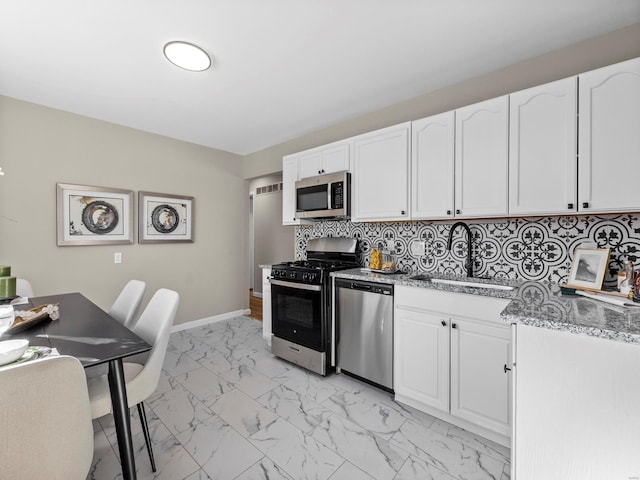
<point>165,218</point>
<point>89,215</point>
<point>588,268</point>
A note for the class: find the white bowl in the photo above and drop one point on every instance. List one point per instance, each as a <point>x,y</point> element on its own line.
<point>12,350</point>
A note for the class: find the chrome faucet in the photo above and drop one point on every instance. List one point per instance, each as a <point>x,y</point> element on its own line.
<point>469,263</point>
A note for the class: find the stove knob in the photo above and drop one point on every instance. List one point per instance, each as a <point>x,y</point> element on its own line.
<point>292,275</point>
<point>305,276</point>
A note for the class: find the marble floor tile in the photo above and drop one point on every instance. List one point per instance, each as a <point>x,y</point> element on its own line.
<point>221,451</point>
<point>493,449</point>
<point>312,385</point>
<point>266,363</point>
<point>417,469</point>
<point>298,454</point>
<point>199,475</point>
<point>249,381</point>
<point>105,464</point>
<point>179,409</point>
<point>204,384</point>
<point>219,361</point>
<point>446,454</point>
<point>280,422</point>
<point>506,472</point>
<point>296,408</point>
<point>176,363</point>
<point>265,469</point>
<point>348,471</point>
<point>184,342</point>
<point>242,412</point>
<point>375,417</point>
<point>371,453</point>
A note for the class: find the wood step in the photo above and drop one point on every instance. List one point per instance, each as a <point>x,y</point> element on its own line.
<point>255,304</point>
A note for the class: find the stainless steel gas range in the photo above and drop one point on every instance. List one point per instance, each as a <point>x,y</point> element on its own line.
<point>301,302</point>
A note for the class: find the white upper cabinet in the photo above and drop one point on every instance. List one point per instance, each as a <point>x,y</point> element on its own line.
<point>543,149</point>
<point>609,139</point>
<point>289,178</point>
<point>432,160</point>
<point>482,159</point>
<point>380,189</point>
<point>331,158</point>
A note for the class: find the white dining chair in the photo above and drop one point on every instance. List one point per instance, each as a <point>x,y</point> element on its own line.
<point>126,306</point>
<point>153,326</point>
<point>23,288</point>
<point>45,420</point>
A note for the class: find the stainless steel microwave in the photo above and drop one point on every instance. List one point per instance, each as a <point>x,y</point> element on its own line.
<point>324,196</point>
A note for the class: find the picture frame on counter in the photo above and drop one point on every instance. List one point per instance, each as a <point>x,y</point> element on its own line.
<point>165,218</point>
<point>90,215</point>
<point>588,268</point>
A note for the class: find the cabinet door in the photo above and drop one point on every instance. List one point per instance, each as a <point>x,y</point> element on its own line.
<point>480,387</point>
<point>421,358</point>
<point>336,158</point>
<point>609,142</point>
<point>331,158</point>
<point>380,174</point>
<point>289,178</point>
<point>481,165</point>
<point>266,304</point>
<point>309,164</point>
<point>432,159</point>
<point>543,161</point>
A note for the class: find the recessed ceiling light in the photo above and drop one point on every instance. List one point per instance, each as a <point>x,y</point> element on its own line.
<point>187,55</point>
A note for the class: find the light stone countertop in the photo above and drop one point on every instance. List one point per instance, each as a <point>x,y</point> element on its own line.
<point>538,304</point>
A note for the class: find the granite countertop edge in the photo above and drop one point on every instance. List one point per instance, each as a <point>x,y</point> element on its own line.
<point>537,304</point>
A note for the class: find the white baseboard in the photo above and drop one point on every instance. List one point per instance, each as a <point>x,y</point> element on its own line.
<point>257,294</point>
<point>208,320</point>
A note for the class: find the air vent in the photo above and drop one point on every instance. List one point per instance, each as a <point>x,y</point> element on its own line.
<point>273,188</point>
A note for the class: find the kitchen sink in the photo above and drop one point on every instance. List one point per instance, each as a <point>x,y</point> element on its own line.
<point>462,283</point>
<point>467,283</point>
<point>422,276</point>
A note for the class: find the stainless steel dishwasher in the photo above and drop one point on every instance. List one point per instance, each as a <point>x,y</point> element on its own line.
<point>364,336</point>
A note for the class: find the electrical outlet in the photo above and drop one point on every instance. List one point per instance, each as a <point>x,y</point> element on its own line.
<point>117,257</point>
<point>391,245</point>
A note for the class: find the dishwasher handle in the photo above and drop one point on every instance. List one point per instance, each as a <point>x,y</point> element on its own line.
<point>373,287</point>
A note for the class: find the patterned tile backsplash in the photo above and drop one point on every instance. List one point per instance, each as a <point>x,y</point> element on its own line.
<point>539,248</point>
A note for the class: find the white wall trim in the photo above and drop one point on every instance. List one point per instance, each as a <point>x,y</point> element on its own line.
<point>208,320</point>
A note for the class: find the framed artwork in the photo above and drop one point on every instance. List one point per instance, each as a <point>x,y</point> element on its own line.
<point>588,268</point>
<point>88,215</point>
<point>164,218</point>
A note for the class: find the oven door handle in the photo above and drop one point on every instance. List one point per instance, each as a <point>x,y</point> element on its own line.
<point>299,286</point>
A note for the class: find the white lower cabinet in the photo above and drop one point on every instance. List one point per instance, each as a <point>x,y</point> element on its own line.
<point>480,385</point>
<point>421,364</point>
<point>450,354</point>
<point>266,304</point>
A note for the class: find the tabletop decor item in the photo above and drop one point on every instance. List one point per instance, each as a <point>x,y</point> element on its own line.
<point>88,215</point>
<point>7,283</point>
<point>164,218</point>
<point>588,268</point>
<point>28,318</point>
<point>12,350</point>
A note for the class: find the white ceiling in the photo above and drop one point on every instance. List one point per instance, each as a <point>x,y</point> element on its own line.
<point>283,68</point>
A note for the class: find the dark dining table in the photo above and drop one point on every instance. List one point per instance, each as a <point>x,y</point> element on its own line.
<point>87,332</point>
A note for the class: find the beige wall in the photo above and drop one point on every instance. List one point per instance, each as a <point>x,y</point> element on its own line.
<point>273,242</point>
<point>614,47</point>
<point>40,146</point>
